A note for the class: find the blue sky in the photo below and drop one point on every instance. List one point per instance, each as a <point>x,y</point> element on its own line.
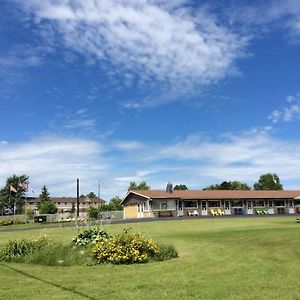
<point>195,92</point>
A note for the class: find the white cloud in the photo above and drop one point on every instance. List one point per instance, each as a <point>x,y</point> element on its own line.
<point>145,40</point>
<point>55,162</point>
<point>196,161</point>
<point>289,113</point>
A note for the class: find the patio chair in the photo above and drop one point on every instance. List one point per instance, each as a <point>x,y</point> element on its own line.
<point>190,213</point>
<point>213,212</point>
<point>195,213</point>
<point>220,212</point>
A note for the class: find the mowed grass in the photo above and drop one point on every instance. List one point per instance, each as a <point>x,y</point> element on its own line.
<point>220,258</point>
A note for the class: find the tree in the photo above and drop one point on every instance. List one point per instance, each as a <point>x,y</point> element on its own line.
<point>12,195</point>
<point>268,181</point>
<point>44,195</point>
<point>115,203</point>
<point>46,206</point>
<point>228,185</point>
<point>181,187</point>
<point>91,195</point>
<point>141,186</point>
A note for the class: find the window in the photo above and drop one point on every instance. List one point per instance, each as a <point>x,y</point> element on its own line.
<point>146,205</point>
<point>58,203</point>
<point>297,202</point>
<point>191,204</point>
<point>279,203</point>
<point>163,205</point>
<point>259,203</point>
<point>237,203</point>
<point>214,203</point>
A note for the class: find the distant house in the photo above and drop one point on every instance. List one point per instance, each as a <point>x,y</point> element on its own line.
<point>159,203</point>
<point>65,204</point>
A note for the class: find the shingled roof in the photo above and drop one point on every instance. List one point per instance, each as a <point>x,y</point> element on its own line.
<point>217,194</point>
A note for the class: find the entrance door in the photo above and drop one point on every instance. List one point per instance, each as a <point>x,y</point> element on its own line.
<point>249,208</point>
<point>271,207</point>
<point>203,208</point>
<point>291,207</point>
<point>180,209</point>
<point>227,208</point>
<point>140,210</point>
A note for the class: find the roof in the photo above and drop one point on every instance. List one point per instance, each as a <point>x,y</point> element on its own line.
<point>67,199</point>
<point>217,194</point>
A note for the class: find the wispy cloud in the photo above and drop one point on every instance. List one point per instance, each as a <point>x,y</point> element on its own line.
<point>54,161</point>
<point>288,113</point>
<point>196,161</point>
<point>178,48</point>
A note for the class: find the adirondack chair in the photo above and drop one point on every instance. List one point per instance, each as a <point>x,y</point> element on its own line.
<point>213,212</point>
<point>220,212</point>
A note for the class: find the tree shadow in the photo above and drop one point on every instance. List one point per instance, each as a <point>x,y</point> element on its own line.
<point>48,282</point>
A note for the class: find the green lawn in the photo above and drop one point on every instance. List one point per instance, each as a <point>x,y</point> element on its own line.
<point>221,258</point>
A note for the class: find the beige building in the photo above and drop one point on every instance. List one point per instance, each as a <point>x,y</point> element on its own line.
<point>65,204</point>
<point>160,203</point>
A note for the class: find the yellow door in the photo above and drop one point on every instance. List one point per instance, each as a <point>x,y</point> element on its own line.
<point>131,211</point>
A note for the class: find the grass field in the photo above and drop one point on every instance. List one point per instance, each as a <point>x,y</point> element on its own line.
<point>221,258</point>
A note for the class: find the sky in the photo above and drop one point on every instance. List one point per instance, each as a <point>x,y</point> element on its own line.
<point>192,92</point>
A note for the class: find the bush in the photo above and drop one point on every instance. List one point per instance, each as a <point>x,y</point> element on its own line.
<point>14,250</point>
<point>89,236</point>
<point>57,254</point>
<point>19,221</point>
<point>6,221</point>
<point>166,252</point>
<point>93,212</point>
<point>125,248</point>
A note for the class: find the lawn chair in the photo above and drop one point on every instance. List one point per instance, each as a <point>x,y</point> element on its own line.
<point>213,212</point>
<point>220,212</point>
<point>259,211</point>
<point>195,213</point>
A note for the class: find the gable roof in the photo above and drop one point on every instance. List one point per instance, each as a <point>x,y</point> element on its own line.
<point>216,194</point>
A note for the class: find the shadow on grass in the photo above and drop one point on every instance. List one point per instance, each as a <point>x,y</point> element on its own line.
<point>48,282</point>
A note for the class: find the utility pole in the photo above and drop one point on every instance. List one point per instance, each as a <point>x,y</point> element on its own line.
<point>77,210</point>
<point>99,182</point>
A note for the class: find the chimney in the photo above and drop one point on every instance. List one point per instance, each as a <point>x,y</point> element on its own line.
<point>169,187</point>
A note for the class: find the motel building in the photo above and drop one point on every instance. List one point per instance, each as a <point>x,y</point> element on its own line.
<point>175,203</point>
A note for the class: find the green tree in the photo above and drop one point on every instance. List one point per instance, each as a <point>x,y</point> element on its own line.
<point>46,206</point>
<point>228,185</point>
<point>115,203</point>
<point>141,186</point>
<point>91,195</point>
<point>12,195</point>
<point>268,181</point>
<point>44,195</point>
<point>181,187</point>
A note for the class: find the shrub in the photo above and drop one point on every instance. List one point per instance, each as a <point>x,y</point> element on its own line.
<point>14,250</point>
<point>58,254</point>
<point>19,221</point>
<point>166,252</point>
<point>89,236</point>
<point>93,212</point>
<point>125,248</point>
<point>6,221</point>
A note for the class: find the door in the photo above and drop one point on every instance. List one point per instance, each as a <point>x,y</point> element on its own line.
<point>249,208</point>
<point>131,211</point>
<point>291,207</point>
<point>140,210</point>
<point>203,208</point>
<point>227,209</point>
<point>271,207</point>
<point>180,208</point>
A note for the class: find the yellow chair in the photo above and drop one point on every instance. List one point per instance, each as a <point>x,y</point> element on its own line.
<point>213,212</point>
<point>220,212</point>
